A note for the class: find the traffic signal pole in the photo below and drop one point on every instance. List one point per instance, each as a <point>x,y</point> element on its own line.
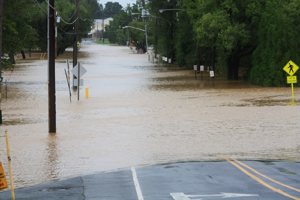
<point>51,82</point>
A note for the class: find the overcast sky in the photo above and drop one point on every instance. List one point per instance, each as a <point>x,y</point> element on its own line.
<point>122,2</point>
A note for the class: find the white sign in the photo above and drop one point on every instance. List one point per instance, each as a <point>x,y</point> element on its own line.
<point>182,196</point>
<point>202,68</point>
<point>75,71</point>
<point>170,60</point>
<point>157,55</point>
<point>76,82</point>
<point>195,67</point>
<point>212,74</point>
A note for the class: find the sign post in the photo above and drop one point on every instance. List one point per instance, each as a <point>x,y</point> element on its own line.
<point>201,69</point>
<point>208,74</point>
<point>195,69</point>
<point>291,69</point>
<point>9,166</point>
<point>212,75</point>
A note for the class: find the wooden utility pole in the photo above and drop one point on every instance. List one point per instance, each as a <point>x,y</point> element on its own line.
<point>75,48</point>
<point>156,50</point>
<point>55,33</point>
<point>1,14</point>
<point>51,83</point>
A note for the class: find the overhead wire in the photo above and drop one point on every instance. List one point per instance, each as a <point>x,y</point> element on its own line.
<point>38,4</point>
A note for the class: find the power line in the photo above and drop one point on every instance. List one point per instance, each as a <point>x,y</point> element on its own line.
<point>38,4</point>
<point>60,15</point>
<point>74,12</point>
<point>67,22</point>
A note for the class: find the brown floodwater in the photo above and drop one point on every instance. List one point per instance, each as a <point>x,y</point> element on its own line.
<point>139,113</point>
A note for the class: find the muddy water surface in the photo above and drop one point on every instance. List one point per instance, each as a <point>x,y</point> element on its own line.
<point>139,113</point>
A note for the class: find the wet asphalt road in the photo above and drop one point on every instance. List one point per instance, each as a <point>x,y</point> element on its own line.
<point>231,179</point>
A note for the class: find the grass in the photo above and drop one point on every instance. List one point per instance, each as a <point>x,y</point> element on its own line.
<point>101,42</point>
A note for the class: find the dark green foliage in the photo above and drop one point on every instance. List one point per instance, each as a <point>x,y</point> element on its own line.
<point>185,46</point>
<point>278,42</point>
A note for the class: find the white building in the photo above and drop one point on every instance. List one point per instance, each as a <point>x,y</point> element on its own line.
<point>99,25</point>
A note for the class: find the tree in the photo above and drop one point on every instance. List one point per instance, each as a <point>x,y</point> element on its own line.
<point>278,42</point>
<point>228,28</point>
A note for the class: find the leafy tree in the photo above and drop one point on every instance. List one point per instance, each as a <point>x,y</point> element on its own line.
<point>17,31</point>
<point>228,28</point>
<point>277,44</point>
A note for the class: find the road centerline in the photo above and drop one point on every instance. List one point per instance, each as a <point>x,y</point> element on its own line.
<point>287,186</point>
<point>261,181</point>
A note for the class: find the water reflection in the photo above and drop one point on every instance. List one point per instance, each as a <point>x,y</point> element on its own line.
<point>52,165</point>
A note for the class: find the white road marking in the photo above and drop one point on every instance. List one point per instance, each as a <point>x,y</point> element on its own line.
<point>136,184</point>
<point>182,196</point>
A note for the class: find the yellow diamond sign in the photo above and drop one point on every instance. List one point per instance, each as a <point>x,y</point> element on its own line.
<point>291,68</point>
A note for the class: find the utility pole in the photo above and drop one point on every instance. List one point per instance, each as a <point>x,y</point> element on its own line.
<point>102,26</point>
<point>75,49</point>
<point>51,82</point>
<point>55,33</point>
<point>1,14</point>
<point>171,38</point>
<point>156,36</point>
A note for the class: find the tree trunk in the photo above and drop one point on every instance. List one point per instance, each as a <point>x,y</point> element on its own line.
<point>233,68</point>
<point>12,58</point>
<point>213,55</point>
<point>23,54</point>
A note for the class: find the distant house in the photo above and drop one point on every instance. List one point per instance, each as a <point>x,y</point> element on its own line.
<point>99,25</point>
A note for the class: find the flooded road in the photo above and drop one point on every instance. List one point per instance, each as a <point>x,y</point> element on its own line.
<point>139,113</point>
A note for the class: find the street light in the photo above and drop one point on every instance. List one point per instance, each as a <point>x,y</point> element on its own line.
<point>162,10</point>
<point>140,30</point>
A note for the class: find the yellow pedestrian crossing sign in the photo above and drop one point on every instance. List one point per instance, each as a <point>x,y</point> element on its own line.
<point>291,68</point>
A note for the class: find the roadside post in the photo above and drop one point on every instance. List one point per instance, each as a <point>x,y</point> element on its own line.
<point>166,60</point>
<point>201,69</point>
<point>208,73</point>
<point>170,61</point>
<point>86,92</point>
<point>9,166</point>
<point>68,64</point>
<point>78,78</point>
<point>291,69</point>
<point>68,83</point>
<point>212,75</point>
<point>78,71</point>
<point>195,69</point>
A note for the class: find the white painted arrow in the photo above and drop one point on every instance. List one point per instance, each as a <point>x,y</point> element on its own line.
<point>182,196</point>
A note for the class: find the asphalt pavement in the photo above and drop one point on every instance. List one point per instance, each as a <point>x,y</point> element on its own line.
<point>230,179</point>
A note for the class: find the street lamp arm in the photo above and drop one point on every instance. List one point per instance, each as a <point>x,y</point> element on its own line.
<point>162,10</point>
<point>160,18</point>
<point>134,28</point>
